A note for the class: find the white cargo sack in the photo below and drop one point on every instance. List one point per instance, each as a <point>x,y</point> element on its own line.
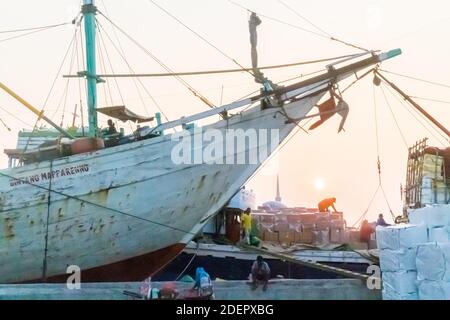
<point>402,236</point>
<point>433,262</point>
<point>402,283</point>
<point>398,260</point>
<point>438,235</point>
<point>432,216</point>
<point>434,290</point>
<point>388,294</point>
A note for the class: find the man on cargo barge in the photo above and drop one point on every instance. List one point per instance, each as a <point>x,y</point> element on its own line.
<point>326,203</point>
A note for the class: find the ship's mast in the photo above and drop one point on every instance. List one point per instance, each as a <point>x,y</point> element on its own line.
<point>89,10</point>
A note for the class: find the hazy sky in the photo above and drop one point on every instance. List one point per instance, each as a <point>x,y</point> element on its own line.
<point>346,163</point>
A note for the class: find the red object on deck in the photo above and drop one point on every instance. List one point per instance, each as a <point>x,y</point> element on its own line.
<point>85,145</point>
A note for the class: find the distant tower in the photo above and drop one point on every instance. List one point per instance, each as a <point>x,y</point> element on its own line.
<point>278,197</point>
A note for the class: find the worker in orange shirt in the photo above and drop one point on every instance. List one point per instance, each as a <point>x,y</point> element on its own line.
<point>325,204</point>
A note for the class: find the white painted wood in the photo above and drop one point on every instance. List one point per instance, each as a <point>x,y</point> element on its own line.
<point>138,178</point>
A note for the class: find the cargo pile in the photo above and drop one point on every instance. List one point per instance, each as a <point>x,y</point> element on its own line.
<point>415,258</point>
<point>435,189</point>
<point>303,226</point>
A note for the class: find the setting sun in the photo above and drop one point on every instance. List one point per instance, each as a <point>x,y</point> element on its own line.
<point>319,184</point>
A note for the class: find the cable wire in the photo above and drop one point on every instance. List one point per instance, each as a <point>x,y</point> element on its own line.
<point>32,32</point>
<point>164,66</point>
<point>395,118</point>
<point>34,28</point>
<point>417,79</point>
<point>319,34</point>
<point>201,37</point>
<point>320,29</point>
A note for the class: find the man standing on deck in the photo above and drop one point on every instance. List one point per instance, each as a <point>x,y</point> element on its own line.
<point>246,225</point>
<point>325,204</point>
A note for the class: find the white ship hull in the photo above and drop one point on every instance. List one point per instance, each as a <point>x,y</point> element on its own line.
<point>91,192</point>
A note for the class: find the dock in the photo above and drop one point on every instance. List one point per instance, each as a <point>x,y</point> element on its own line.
<point>326,289</point>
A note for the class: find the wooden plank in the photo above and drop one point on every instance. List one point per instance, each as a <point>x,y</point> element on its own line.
<point>314,265</point>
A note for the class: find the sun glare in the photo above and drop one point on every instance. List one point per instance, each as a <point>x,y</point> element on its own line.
<point>319,184</point>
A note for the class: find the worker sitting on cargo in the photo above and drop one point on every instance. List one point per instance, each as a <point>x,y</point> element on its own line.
<point>260,273</point>
<point>325,204</point>
<point>203,283</point>
<point>246,225</point>
<point>381,222</point>
<point>111,127</point>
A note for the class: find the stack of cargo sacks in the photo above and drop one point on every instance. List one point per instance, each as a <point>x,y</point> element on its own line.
<point>433,271</point>
<point>437,220</point>
<point>434,187</point>
<point>398,246</point>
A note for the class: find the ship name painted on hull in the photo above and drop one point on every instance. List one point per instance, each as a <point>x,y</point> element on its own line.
<point>47,176</point>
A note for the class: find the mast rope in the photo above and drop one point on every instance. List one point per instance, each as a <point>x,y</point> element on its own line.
<point>202,37</point>
<point>50,92</point>
<point>96,204</point>
<point>31,32</point>
<point>108,59</point>
<point>417,79</point>
<point>395,118</point>
<point>63,99</point>
<point>35,28</point>
<point>121,54</point>
<point>106,87</point>
<point>4,124</point>
<point>79,79</point>
<point>15,117</point>
<point>332,38</point>
<point>418,118</point>
<point>430,99</point>
<point>122,51</point>
<point>164,66</point>
<point>101,30</point>
<point>319,34</point>
<point>380,180</point>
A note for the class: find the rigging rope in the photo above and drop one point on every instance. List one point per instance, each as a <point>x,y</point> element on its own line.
<point>424,125</point>
<point>164,66</point>
<point>189,263</point>
<point>34,28</point>
<point>202,38</point>
<point>4,124</point>
<point>320,29</point>
<point>395,118</point>
<point>32,32</point>
<point>100,33</point>
<point>120,52</point>
<point>417,79</point>
<point>15,117</point>
<point>50,91</point>
<point>380,181</point>
<point>431,100</point>
<point>319,34</point>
